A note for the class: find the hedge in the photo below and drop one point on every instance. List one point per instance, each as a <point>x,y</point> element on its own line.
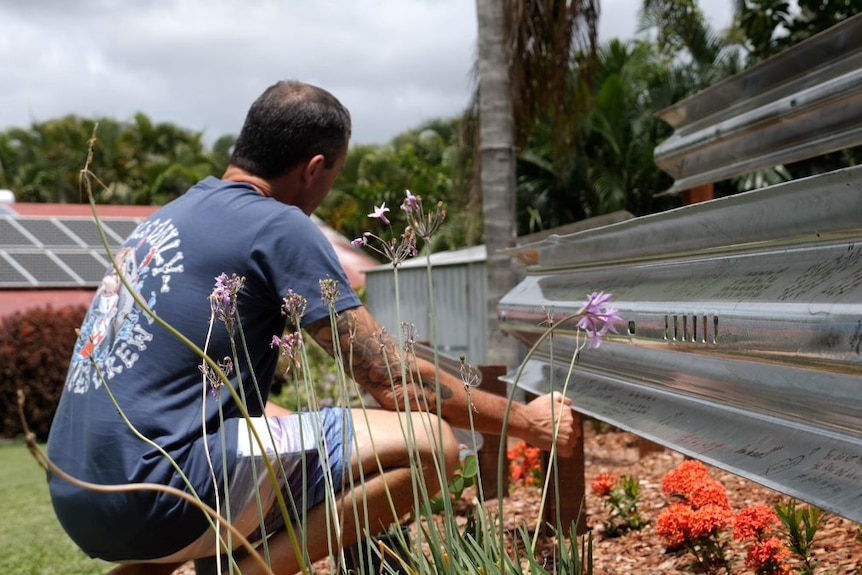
<point>35,347</point>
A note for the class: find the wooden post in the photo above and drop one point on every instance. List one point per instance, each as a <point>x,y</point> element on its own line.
<point>645,447</point>
<point>572,487</point>
<point>489,454</point>
<point>698,194</point>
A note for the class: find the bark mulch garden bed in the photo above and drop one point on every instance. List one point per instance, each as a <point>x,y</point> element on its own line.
<point>643,551</point>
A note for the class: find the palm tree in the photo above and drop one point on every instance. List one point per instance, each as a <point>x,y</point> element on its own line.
<point>525,53</point>
<point>497,169</point>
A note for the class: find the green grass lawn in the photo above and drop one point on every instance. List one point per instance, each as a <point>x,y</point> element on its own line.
<point>31,540</point>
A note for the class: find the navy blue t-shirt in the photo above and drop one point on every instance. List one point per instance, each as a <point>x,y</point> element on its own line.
<point>171,260</point>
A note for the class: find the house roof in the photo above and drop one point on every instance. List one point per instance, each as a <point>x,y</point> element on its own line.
<point>52,253</point>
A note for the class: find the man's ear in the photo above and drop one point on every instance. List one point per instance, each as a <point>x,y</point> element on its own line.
<point>313,169</point>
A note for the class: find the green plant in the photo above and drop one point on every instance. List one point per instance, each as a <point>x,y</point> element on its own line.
<point>34,349</point>
<point>801,525</point>
<point>620,495</point>
<point>321,372</point>
<point>465,476</point>
<point>575,560</point>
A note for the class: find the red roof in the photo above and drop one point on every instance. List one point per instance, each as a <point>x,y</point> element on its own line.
<point>354,261</point>
<point>81,210</point>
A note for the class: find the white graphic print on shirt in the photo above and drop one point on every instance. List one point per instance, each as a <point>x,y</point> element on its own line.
<point>113,335</point>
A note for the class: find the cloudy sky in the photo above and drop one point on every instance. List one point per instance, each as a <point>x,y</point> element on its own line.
<point>200,63</point>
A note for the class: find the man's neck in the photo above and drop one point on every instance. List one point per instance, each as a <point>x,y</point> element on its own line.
<point>240,176</point>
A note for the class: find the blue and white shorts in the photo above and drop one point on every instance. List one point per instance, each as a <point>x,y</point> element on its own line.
<point>318,442</point>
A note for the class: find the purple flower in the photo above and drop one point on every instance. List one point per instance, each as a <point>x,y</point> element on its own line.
<point>411,203</point>
<point>291,348</point>
<point>424,224</point>
<point>598,317</point>
<point>380,213</point>
<point>328,291</point>
<point>596,301</point>
<point>363,241</point>
<point>224,297</point>
<point>293,306</point>
<point>226,366</point>
<point>408,241</point>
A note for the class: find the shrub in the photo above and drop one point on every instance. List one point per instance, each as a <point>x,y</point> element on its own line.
<point>35,347</point>
<point>697,517</point>
<point>620,496</point>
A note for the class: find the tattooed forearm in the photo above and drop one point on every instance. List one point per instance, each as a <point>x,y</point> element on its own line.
<point>372,359</point>
<point>430,384</point>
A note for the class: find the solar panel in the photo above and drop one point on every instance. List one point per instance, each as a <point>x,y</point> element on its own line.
<point>57,252</point>
<point>44,269</point>
<point>47,232</point>
<point>89,232</point>
<point>9,274</point>
<point>123,228</point>
<point>86,265</point>
<point>11,235</point>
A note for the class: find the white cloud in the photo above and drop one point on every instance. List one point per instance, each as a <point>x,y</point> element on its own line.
<point>200,63</point>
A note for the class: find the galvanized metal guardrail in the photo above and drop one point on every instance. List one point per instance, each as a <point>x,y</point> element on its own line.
<point>742,341</point>
<point>798,104</point>
<point>741,352</point>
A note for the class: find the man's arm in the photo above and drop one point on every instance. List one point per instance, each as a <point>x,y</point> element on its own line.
<point>373,360</point>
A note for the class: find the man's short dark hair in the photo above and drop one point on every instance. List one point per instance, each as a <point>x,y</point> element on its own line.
<point>289,123</point>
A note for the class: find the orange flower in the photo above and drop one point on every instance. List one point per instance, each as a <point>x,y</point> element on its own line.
<point>708,492</point>
<point>674,524</point>
<point>603,484</point>
<point>754,522</point>
<point>682,480</point>
<point>524,464</point>
<point>709,520</point>
<point>768,556</point>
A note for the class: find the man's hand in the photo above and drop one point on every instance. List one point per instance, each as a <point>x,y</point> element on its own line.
<point>546,413</point>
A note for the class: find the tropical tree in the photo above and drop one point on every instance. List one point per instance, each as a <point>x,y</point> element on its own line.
<point>685,43</point>
<point>140,162</point>
<point>525,50</point>
<point>426,160</point>
<point>769,26</point>
<point>43,162</point>
<point>678,54</point>
<point>496,170</point>
<point>609,165</point>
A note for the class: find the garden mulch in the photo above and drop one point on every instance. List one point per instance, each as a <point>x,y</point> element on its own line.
<point>642,551</point>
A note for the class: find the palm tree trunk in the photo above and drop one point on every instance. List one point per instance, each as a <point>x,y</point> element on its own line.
<point>497,171</point>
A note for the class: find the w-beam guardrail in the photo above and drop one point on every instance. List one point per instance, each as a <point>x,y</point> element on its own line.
<point>742,337</point>
<point>742,334</point>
